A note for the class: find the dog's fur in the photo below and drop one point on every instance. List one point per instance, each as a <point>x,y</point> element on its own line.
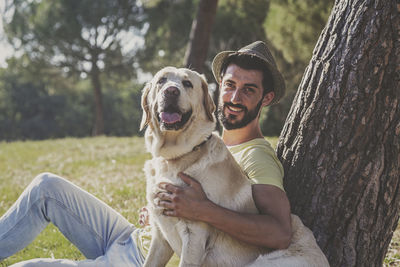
<point>180,120</point>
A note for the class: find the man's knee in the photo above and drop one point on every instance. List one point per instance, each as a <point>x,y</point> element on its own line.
<point>47,181</point>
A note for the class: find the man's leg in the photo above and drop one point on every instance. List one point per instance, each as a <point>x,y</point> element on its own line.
<point>90,224</point>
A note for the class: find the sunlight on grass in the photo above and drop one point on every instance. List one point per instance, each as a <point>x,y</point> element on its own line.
<point>109,168</point>
<point>393,254</point>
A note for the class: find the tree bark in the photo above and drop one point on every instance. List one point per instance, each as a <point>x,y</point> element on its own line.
<point>98,128</point>
<point>197,49</point>
<point>340,145</point>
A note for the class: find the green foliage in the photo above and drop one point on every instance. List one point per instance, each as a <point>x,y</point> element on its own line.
<point>237,24</point>
<point>169,24</point>
<point>122,100</point>
<point>58,38</point>
<point>30,108</point>
<point>292,27</point>
<point>74,34</point>
<point>81,37</point>
<point>57,106</point>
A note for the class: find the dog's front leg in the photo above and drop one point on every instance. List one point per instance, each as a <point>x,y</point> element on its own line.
<point>194,242</point>
<point>160,251</point>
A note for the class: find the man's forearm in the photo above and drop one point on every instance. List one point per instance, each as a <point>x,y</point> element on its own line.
<point>255,229</point>
<point>270,228</point>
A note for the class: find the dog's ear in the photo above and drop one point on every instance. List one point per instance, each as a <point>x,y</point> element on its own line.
<point>208,102</point>
<point>145,106</point>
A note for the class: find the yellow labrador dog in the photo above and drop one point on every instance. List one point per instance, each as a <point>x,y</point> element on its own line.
<point>179,115</point>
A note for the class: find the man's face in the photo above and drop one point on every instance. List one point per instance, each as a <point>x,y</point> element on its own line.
<point>241,97</point>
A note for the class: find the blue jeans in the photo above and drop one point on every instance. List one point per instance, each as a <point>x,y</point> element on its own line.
<point>98,231</point>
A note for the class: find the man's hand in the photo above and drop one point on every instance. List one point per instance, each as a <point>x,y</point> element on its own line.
<point>183,201</point>
<point>270,228</point>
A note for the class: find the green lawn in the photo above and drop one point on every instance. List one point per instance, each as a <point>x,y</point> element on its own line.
<point>108,167</point>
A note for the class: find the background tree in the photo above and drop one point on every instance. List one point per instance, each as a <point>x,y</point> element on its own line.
<point>237,23</point>
<point>292,28</point>
<point>32,108</point>
<point>196,52</point>
<point>39,101</point>
<point>166,36</point>
<point>168,25</point>
<point>340,145</point>
<point>83,37</point>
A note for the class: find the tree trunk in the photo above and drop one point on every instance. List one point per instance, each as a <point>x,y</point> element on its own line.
<point>340,145</point>
<point>196,52</point>
<point>98,128</point>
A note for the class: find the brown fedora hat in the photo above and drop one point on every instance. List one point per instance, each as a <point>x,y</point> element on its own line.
<point>260,50</point>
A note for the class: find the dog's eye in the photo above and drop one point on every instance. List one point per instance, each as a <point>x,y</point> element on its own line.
<point>162,80</point>
<point>187,84</point>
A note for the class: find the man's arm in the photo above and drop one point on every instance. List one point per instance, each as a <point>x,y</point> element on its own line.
<point>271,228</point>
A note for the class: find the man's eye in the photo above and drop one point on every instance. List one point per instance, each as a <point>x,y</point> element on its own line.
<point>187,84</point>
<point>162,80</point>
<point>248,90</point>
<point>229,84</point>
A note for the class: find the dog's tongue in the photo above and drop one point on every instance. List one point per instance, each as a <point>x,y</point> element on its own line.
<point>170,118</point>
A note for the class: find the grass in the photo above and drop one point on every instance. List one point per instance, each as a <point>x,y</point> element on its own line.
<point>109,168</point>
<point>393,254</point>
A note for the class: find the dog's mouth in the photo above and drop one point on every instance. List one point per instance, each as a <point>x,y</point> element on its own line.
<point>171,119</point>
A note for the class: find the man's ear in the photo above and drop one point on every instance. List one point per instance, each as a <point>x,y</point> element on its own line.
<point>208,102</point>
<point>268,98</point>
<point>145,106</point>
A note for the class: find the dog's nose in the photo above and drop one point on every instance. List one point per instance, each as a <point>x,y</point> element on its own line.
<point>171,91</point>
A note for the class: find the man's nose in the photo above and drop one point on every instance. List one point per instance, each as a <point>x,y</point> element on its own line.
<point>236,97</point>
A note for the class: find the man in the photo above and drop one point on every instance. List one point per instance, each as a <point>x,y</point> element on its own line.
<point>248,80</point>
<point>107,239</point>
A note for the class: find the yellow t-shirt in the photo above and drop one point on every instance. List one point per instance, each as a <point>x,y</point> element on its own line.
<point>258,160</point>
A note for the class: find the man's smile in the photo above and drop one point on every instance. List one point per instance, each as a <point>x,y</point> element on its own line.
<point>234,109</point>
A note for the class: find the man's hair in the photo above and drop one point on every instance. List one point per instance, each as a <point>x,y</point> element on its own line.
<point>249,62</point>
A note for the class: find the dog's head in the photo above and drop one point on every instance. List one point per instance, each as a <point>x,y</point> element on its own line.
<point>176,103</point>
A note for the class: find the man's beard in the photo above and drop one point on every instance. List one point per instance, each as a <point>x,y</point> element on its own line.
<point>249,115</point>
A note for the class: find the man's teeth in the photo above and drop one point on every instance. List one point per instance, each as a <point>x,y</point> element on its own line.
<point>234,109</point>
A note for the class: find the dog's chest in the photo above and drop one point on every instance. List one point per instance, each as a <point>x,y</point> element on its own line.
<point>160,170</point>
